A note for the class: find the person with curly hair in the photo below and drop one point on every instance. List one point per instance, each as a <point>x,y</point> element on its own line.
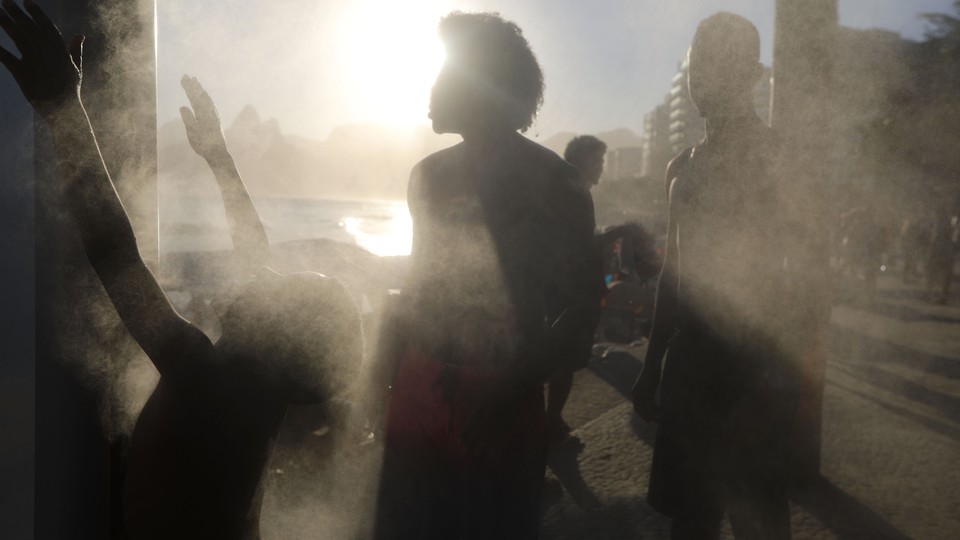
<point>496,288</point>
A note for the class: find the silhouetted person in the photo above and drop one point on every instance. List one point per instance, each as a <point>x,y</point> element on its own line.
<point>914,244</point>
<point>202,442</point>
<point>728,393</point>
<point>864,241</point>
<point>497,287</point>
<point>939,268</point>
<point>586,153</point>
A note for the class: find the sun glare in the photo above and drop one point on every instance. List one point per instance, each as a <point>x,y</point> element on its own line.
<point>388,57</point>
<point>387,236</point>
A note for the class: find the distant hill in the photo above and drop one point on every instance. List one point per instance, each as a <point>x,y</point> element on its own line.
<point>355,161</point>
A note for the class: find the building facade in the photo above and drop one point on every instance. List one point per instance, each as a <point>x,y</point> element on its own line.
<point>676,124</point>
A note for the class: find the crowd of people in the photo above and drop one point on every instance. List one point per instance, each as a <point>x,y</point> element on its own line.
<point>506,283</point>
<point>868,243</point>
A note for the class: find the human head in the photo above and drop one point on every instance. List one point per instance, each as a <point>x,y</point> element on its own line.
<point>301,328</point>
<point>724,65</point>
<point>586,152</point>
<point>490,79</point>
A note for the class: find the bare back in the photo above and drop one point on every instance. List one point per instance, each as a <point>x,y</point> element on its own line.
<point>493,248</point>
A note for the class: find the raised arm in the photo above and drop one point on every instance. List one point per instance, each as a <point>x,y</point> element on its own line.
<point>49,77</point>
<point>206,137</point>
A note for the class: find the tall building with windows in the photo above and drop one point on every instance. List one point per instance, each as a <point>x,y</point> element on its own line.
<point>656,141</point>
<point>624,163</point>
<point>685,124</point>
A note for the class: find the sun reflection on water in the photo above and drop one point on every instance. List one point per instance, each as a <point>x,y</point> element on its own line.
<point>389,235</point>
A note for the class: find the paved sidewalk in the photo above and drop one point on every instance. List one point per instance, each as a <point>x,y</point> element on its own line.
<point>891,435</point>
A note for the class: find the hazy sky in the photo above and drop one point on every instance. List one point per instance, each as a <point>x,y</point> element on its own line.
<point>317,64</point>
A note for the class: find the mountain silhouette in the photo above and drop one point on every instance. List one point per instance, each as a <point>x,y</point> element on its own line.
<point>356,161</point>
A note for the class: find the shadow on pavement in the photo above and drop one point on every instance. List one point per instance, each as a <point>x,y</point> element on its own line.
<point>844,515</point>
<point>908,314</point>
<point>615,520</point>
<point>851,345</point>
<point>619,369</point>
<point>915,292</point>
<point>864,355</point>
<point>563,462</point>
<point>933,425</point>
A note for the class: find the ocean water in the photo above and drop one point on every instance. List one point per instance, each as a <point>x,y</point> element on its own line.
<point>200,224</point>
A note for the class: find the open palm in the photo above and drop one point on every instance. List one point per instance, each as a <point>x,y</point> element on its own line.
<point>47,72</point>
<point>202,122</point>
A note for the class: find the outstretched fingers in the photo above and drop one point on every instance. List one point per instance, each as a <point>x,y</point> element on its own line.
<point>9,61</point>
<point>200,100</point>
<point>13,29</point>
<point>46,71</point>
<point>76,51</point>
<point>42,22</point>
<point>189,120</point>
<point>26,27</point>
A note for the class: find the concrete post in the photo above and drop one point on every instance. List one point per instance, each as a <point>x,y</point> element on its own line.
<point>803,62</point>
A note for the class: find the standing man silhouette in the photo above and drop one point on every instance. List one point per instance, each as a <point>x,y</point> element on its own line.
<point>586,153</point>
<point>728,389</point>
<point>498,285</point>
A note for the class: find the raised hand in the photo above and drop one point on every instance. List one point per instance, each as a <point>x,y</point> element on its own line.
<point>47,71</point>
<point>206,137</point>
<point>202,122</point>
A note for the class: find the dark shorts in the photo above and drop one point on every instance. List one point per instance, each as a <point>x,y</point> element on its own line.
<point>431,487</point>
<point>698,466</point>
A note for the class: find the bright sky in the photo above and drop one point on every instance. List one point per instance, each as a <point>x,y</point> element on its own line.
<point>315,65</point>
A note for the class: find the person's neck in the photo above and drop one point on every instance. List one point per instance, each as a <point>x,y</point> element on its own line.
<point>486,136</point>
<point>480,145</point>
<point>722,126</point>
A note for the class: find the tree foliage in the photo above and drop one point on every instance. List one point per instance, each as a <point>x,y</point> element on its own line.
<point>920,131</point>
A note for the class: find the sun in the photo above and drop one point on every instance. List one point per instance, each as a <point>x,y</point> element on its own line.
<point>388,55</point>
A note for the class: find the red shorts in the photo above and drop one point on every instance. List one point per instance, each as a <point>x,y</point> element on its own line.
<point>431,486</point>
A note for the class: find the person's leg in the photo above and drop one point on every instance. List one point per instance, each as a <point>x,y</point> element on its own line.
<point>414,500</point>
<point>560,385</point>
<point>756,487</point>
<point>765,516</point>
<point>501,490</point>
<point>417,483</point>
<point>704,525</point>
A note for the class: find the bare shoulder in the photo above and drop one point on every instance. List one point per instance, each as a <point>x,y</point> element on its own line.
<point>429,170</point>
<point>436,162</point>
<point>548,158</point>
<point>547,165</point>
<point>675,168</point>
